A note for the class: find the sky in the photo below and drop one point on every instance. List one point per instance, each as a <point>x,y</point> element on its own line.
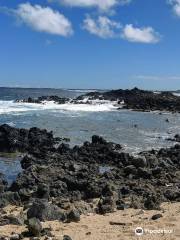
<point>105,44</point>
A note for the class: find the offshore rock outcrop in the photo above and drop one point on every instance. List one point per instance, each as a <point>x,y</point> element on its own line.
<point>139,100</point>
<point>40,100</point>
<point>72,178</point>
<point>175,139</point>
<point>134,99</point>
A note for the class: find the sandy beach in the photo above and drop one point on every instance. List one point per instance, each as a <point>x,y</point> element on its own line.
<point>119,225</point>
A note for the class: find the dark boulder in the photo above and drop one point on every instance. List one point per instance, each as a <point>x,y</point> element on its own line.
<point>109,190</point>
<point>4,221</point>
<point>106,205</point>
<point>156,216</point>
<point>24,194</point>
<point>177,137</point>
<point>131,169</point>
<point>73,216</point>
<point>3,183</point>
<point>172,194</point>
<point>43,191</point>
<point>12,139</point>
<point>8,197</point>
<point>22,140</point>
<point>63,148</point>
<point>144,173</point>
<point>151,202</point>
<point>34,227</point>
<point>98,140</point>
<point>156,171</point>
<point>45,211</point>
<point>140,162</point>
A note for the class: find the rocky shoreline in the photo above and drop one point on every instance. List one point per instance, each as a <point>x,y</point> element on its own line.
<point>40,100</point>
<point>134,99</point>
<point>61,183</point>
<point>139,100</point>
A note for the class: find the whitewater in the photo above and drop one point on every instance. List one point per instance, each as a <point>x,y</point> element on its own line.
<point>20,107</point>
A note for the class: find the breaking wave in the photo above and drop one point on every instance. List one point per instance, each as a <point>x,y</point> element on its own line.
<point>7,107</point>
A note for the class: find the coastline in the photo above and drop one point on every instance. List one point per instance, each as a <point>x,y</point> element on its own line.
<point>64,184</point>
<point>68,186</point>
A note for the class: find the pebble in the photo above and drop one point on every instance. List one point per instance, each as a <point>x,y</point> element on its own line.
<point>157,216</point>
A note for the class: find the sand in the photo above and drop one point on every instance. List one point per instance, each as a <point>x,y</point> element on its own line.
<point>98,227</point>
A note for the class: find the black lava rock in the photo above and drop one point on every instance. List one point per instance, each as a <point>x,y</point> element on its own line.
<point>34,227</point>
<point>45,211</point>
<point>157,216</point>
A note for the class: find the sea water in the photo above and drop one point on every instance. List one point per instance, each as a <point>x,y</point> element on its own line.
<point>135,131</point>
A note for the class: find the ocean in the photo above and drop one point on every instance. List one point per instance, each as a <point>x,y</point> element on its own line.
<point>80,121</point>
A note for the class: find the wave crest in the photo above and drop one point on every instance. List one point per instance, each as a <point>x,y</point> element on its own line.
<point>8,107</point>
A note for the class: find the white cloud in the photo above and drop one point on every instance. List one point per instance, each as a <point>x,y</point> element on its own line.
<point>102,26</point>
<point>176,6</point>
<point>43,19</point>
<point>103,5</point>
<point>141,35</point>
<point>106,28</point>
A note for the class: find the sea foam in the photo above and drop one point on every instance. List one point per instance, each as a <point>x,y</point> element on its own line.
<point>7,107</point>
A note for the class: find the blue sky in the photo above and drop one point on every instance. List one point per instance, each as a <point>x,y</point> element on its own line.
<point>90,43</point>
